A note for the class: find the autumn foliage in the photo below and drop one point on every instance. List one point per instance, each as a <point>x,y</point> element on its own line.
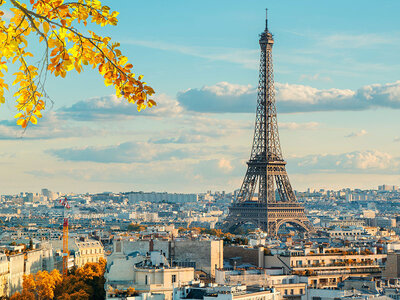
<point>136,227</point>
<point>86,283</point>
<point>59,26</point>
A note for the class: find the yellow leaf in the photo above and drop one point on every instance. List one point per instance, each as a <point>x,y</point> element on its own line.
<point>151,103</point>
<point>108,82</point>
<point>38,113</point>
<point>123,60</point>
<point>19,115</point>
<point>33,119</point>
<point>46,27</point>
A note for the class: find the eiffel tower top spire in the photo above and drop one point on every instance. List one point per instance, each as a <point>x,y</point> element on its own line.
<point>266,36</point>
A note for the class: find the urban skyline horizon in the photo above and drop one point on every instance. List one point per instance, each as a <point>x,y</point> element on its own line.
<point>307,190</point>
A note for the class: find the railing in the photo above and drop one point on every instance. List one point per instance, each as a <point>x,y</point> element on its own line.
<point>340,264</point>
<point>372,269</point>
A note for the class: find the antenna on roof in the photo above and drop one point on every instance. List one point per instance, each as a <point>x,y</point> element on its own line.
<point>266,19</point>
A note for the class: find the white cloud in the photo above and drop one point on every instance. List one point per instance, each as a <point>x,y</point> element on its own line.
<point>354,41</point>
<point>185,138</point>
<point>128,152</point>
<point>352,162</point>
<point>228,89</point>
<point>299,126</point>
<point>111,108</point>
<point>225,165</point>
<point>357,134</point>
<point>51,126</point>
<point>228,97</point>
<point>307,94</point>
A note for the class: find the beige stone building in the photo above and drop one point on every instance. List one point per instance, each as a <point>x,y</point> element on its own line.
<point>82,250</point>
<point>16,267</point>
<point>4,276</point>
<point>289,286</point>
<point>161,281</point>
<point>201,254</point>
<point>206,255</point>
<point>146,274</point>
<point>328,269</point>
<point>215,292</point>
<point>88,251</point>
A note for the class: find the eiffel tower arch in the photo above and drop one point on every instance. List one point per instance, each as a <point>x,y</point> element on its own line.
<point>275,203</point>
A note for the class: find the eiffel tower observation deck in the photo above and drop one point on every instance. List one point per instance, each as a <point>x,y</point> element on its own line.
<point>275,203</point>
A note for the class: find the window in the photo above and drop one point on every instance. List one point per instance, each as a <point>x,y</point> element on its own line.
<point>145,280</point>
<point>291,292</point>
<point>173,278</point>
<point>285,292</point>
<point>301,291</point>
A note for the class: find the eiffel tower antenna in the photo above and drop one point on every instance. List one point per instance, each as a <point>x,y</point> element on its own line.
<point>275,202</point>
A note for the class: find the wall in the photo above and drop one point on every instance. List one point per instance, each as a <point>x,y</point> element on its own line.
<point>33,263</point>
<point>248,255</point>
<point>4,276</point>
<point>207,254</point>
<point>16,272</point>
<point>392,266</point>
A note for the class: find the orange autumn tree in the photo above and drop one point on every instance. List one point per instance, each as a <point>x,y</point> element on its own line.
<point>60,29</point>
<point>39,286</point>
<point>85,283</point>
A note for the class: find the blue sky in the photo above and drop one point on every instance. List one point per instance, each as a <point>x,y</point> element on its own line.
<point>338,97</point>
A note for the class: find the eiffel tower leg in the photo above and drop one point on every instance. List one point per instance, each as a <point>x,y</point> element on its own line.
<point>272,229</point>
<point>271,189</point>
<point>247,190</point>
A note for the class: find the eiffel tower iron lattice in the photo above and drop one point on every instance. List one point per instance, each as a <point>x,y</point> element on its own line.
<point>266,167</point>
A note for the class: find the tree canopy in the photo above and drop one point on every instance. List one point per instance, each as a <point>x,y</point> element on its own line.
<point>60,28</point>
<point>86,283</point>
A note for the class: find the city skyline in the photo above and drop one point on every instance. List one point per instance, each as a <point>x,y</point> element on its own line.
<point>338,97</point>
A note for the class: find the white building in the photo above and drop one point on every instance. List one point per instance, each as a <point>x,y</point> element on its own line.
<point>159,197</point>
<point>215,292</point>
<point>328,294</point>
<point>146,274</point>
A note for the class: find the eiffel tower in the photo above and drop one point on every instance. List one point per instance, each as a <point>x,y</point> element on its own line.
<point>266,168</point>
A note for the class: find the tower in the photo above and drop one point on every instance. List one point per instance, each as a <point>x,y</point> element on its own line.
<point>276,202</point>
<point>65,254</point>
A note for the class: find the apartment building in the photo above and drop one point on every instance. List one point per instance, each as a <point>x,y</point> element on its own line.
<point>151,273</point>
<point>328,269</point>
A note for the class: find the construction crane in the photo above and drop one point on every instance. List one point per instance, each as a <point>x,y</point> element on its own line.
<point>65,254</point>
